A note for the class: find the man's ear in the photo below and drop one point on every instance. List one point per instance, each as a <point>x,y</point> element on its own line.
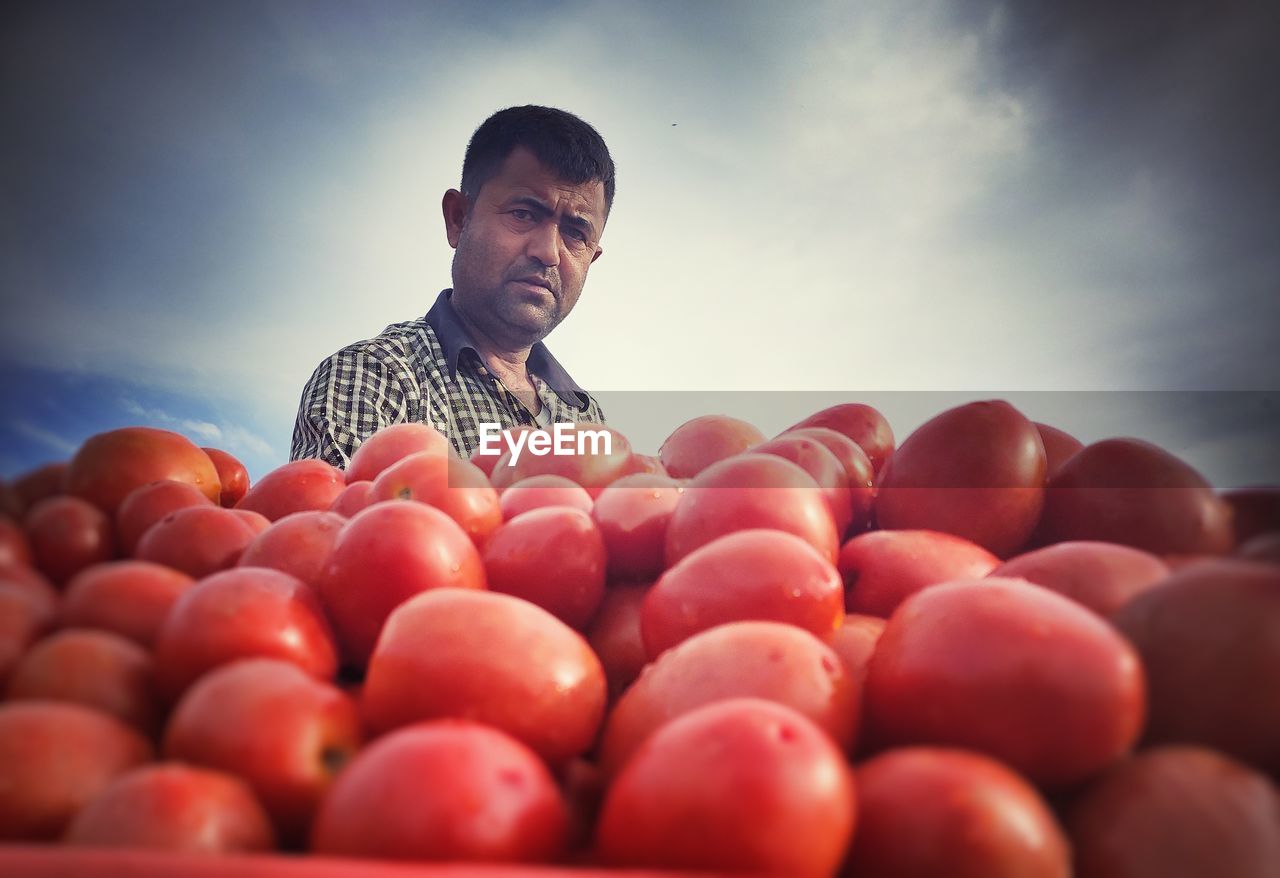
<point>454,205</point>
<point>599,253</point>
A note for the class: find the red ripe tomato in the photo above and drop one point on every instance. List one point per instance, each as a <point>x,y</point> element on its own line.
<point>766,660</point>
<point>147,504</point>
<point>354,497</point>
<point>14,547</point>
<point>861,423</point>
<point>257,522</point>
<point>751,574</point>
<point>553,557</point>
<point>1102,576</point>
<point>34,485</point>
<point>536,492</point>
<point>976,471</point>
<point>1263,547</point>
<point>450,790</point>
<point>632,515</point>
<point>860,475</point>
<point>815,459</point>
<point>385,555</point>
<point>648,464</point>
<point>1059,447</point>
<point>110,465</point>
<point>495,659</point>
<point>391,444</point>
<point>130,598</point>
<point>1209,637</point>
<point>928,811</point>
<point>450,484</point>
<point>742,785</point>
<point>883,568</point>
<point>68,534</point>
<point>232,475</point>
<point>273,725</point>
<point>198,540</point>
<point>96,669</point>
<point>1132,492</point>
<point>697,444</point>
<point>1009,669</point>
<point>751,491</point>
<point>615,636</point>
<point>23,619</point>
<point>294,487</point>
<point>174,807</point>
<point>54,759</point>
<point>241,613</point>
<point>855,642</point>
<point>1177,811</point>
<point>299,544</point>
<point>488,462</point>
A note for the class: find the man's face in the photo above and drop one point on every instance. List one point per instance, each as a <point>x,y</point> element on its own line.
<point>523,249</point>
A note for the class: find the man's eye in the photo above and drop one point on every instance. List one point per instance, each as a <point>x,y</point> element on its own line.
<point>577,234</point>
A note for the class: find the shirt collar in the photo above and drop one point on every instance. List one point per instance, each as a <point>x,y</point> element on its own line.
<point>453,338</point>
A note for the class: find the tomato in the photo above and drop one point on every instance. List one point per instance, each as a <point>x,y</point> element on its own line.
<point>860,474</point>
<point>976,471</point>
<point>14,546</point>
<point>388,553</point>
<point>1263,547</point>
<point>129,598</point>
<point>110,465</point>
<point>249,611</point>
<point>1209,637</point>
<point>487,462</point>
<point>553,557</point>
<point>54,759</point>
<point>1101,576</point>
<point>495,659</point>
<point>767,660</point>
<point>814,458</point>
<point>536,492</point>
<point>294,487</point>
<point>1009,669</point>
<point>198,540</point>
<point>267,721</point>
<point>1177,811</point>
<point>147,504</point>
<point>928,811</point>
<point>1131,492</point>
<point>751,574</point>
<point>632,515</point>
<point>1059,447</point>
<point>354,497</point>
<point>96,669</point>
<point>614,635</point>
<point>697,444</point>
<point>392,444</point>
<point>450,484</point>
<point>299,544</point>
<point>174,807</point>
<point>751,491</point>
<point>741,785</point>
<point>48,480</point>
<point>883,568</point>
<point>68,534</point>
<point>855,642</point>
<point>449,790</point>
<point>23,619</point>
<point>861,423</point>
<point>232,476</point>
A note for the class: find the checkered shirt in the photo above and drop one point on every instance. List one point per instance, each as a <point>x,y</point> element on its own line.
<point>426,371</point>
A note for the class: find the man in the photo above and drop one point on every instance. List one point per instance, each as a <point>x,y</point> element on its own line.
<point>537,186</point>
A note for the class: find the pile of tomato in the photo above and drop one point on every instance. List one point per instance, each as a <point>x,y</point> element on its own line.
<point>986,651</point>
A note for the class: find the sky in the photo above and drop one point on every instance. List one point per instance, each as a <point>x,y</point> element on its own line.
<point>910,204</point>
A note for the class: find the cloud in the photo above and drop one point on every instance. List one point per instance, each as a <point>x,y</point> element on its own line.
<point>48,438</point>
<point>233,438</point>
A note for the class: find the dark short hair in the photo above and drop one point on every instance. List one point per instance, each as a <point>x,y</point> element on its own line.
<point>558,139</point>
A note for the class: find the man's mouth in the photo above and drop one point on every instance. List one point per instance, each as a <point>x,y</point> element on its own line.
<point>536,282</point>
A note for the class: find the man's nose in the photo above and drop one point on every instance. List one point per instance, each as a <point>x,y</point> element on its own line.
<point>544,244</point>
